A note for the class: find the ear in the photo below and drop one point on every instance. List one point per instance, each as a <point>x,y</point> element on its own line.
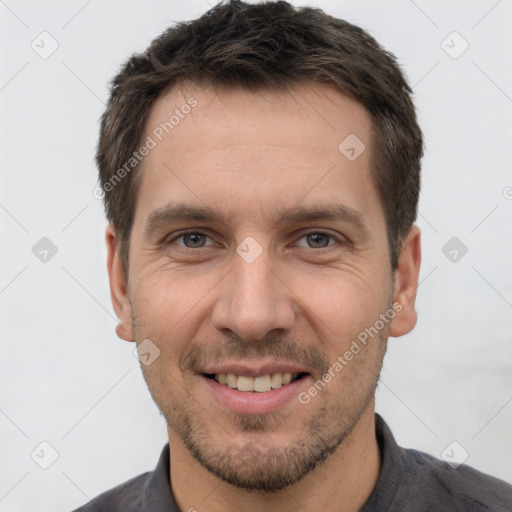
<point>406,284</point>
<point>118,288</point>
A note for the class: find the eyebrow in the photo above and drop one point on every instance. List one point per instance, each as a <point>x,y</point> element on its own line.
<point>174,212</point>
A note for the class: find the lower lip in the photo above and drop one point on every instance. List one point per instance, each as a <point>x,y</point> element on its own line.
<point>253,402</point>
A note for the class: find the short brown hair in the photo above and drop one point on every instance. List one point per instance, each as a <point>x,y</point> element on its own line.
<point>263,45</point>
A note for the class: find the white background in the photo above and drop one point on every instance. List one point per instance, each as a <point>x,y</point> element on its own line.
<point>65,377</point>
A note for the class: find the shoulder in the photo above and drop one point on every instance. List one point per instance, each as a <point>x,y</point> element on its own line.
<point>412,480</point>
<point>148,491</point>
<point>460,488</point>
<point>125,497</point>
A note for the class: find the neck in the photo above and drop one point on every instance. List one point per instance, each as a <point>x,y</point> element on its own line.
<point>343,482</point>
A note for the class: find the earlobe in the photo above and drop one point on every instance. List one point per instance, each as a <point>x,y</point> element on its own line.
<point>123,333</point>
<point>118,287</point>
<point>406,284</point>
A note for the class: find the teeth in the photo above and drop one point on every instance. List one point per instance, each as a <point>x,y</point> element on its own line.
<point>245,383</point>
<point>277,380</point>
<point>230,380</point>
<point>259,384</point>
<point>287,378</point>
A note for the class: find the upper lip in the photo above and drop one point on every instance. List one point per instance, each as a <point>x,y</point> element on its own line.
<point>254,369</point>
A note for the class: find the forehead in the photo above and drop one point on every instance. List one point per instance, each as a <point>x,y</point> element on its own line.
<point>249,151</point>
<point>253,116</point>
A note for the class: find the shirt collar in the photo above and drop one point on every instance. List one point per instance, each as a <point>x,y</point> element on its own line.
<point>156,494</point>
<point>391,469</point>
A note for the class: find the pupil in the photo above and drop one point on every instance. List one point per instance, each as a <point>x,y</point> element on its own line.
<point>194,236</point>
<point>315,239</point>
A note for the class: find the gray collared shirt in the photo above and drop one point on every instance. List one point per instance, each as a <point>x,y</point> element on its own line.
<point>409,481</point>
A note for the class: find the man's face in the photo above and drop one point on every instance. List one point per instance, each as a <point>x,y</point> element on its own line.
<point>264,289</point>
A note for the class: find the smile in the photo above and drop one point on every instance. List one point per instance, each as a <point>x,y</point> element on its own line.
<point>260,384</point>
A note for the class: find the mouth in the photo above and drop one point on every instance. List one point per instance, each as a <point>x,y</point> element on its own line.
<point>260,393</point>
<point>259,384</point>
<point>254,387</point>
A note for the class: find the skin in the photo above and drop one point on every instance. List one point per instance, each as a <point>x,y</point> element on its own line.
<point>304,299</point>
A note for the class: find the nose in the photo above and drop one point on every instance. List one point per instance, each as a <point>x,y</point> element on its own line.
<point>254,300</point>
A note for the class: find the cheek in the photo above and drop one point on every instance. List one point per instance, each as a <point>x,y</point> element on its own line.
<point>340,303</point>
<point>169,309</point>
<point>164,297</point>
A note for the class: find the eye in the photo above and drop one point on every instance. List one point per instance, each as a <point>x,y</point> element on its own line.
<point>198,240</point>
<point>191,239</point>
<point>318,240</point>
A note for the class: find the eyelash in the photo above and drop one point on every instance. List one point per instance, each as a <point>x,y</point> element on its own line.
<point>309,233</point>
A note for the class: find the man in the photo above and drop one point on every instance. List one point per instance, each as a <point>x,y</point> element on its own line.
<point>261,171</point>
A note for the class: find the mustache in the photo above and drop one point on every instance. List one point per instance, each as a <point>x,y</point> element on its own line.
<point>197,356</point>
